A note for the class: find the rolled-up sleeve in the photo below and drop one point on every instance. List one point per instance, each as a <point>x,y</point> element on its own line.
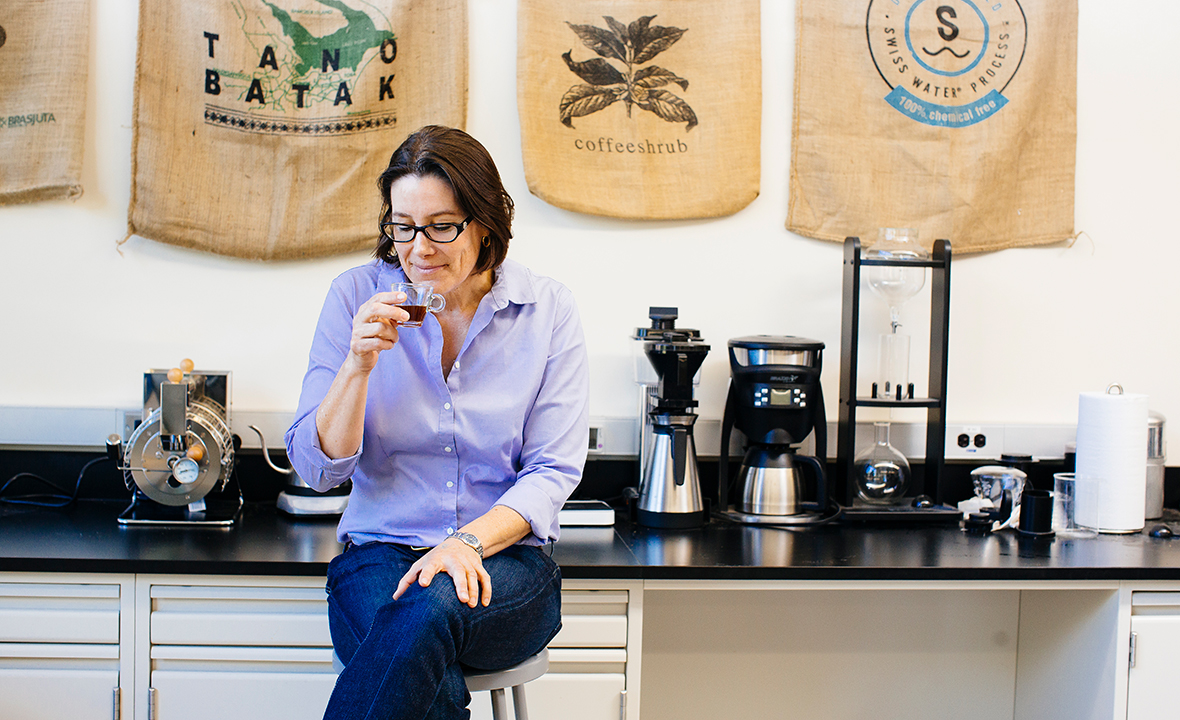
<point>554,443</point>
<point>326,356</point>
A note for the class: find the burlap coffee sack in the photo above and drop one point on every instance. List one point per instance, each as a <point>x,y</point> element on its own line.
<point>261,128</point>
<point>641,109</point>
<point>44,47</point>
<point>957,118</point>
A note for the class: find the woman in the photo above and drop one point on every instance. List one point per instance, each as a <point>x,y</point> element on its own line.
<point>463,438</point>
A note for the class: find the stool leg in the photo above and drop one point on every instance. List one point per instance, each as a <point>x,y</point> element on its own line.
<point>518,701</point>
<point>499,704</point>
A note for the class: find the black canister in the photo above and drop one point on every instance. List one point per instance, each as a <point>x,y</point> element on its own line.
<point>1036,512</point>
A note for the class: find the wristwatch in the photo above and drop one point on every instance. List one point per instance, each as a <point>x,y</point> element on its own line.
<point>470,541</point>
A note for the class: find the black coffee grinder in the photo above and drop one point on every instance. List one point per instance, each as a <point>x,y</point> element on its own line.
<point>776,400</point>
<point>670,488</point>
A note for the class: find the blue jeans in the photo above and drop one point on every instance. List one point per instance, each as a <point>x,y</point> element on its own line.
<point>402,658</point>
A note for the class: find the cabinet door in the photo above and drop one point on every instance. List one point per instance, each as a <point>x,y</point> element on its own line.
<point>59,651</point>
<point>564,696</point>
<point>587,662</point>
<point>238,652</point>
<point>1151,683</point>
<point>45,683</point>
<point>244,683</point>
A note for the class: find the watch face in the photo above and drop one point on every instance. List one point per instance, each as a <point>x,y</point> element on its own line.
<point>470,541</point>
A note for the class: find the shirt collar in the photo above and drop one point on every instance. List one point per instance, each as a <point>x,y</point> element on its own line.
<point>512,283</point>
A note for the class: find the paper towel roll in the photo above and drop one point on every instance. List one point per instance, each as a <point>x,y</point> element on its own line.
<point>1112,454</point>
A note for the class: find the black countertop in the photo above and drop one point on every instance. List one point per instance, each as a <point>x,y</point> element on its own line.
<point>86,538</point>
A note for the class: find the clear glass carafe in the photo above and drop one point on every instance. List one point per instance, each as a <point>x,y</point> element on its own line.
<point>895,284</point>
<point>882,473</point>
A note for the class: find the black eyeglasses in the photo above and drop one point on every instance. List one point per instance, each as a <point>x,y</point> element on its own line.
<point>435,232</point>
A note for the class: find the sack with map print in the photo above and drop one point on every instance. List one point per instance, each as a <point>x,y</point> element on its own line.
<point>42,98</point>
<point>647,109</point>
<point>261,127</point>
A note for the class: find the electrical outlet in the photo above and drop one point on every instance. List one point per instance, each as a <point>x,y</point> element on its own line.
<point>974,441</point>
<point>613,437</point>
<point>130,421</point>
<point>597,440</point>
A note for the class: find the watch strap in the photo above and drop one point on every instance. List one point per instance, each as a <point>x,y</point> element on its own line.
<point>470,541</point>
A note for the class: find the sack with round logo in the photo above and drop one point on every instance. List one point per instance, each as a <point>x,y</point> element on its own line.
<point>44,46</point>
<point>957,117</point>
<point>641,108</point>
<point>261,127</point>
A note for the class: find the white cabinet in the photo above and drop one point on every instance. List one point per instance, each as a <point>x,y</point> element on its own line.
<point>589,668</point>
<point>1151,679</point>
<point>173,647</point>
<point>244,648</point>
<point>60,647</point>
<point>211,647</point>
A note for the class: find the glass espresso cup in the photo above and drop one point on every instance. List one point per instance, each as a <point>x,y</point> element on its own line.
<point>420,299</point>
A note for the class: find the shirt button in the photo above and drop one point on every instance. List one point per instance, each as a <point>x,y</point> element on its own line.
<point>456,364</point>
<point>447,448</point>
<point>450,484</point>
<point>447,406</point>
<point>450,531</point>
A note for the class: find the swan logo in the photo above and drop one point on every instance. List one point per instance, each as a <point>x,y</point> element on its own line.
<point>946,62</point>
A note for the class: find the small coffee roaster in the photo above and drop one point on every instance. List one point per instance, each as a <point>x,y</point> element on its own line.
<point>178,461</point>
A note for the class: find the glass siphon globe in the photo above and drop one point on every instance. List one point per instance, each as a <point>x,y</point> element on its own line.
<point>882,473</point>
<point>896,284</point>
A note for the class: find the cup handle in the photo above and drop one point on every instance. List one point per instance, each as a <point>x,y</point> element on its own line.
<point>442,303</point>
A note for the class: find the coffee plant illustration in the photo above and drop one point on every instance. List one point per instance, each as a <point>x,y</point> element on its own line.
<point>605,84</point>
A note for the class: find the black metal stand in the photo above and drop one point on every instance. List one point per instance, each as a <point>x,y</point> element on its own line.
<point>844,486</point>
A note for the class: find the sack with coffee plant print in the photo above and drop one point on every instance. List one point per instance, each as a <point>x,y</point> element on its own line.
<point>44,51</point>
<point>955,118</point>
<point>261,127</point>
<point>638,109</point>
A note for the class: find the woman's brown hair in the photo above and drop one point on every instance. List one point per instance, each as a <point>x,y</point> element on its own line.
<point>463,163</point>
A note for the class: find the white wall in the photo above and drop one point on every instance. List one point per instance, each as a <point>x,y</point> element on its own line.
<point>1030,328</point>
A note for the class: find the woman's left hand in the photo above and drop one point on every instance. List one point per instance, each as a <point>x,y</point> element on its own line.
<point>473,585</point>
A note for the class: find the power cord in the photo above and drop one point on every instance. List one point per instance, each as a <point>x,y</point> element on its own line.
<point>61,498</point>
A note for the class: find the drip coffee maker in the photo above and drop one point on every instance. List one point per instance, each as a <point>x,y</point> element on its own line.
<point>670,488</point>
<point>776,401</point>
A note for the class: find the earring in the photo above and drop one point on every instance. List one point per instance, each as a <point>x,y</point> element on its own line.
<point>487,241</point>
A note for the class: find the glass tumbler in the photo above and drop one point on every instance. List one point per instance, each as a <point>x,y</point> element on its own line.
<point>1065,497</point>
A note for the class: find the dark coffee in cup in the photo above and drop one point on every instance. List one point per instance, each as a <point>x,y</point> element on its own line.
<point>420,299</point>
<point>417,314</point>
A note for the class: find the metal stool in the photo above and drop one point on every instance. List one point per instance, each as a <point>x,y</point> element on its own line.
<point>497,681</point>
<point>514,677</point>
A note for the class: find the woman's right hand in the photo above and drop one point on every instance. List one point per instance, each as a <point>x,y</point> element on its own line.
<point>374,328</point>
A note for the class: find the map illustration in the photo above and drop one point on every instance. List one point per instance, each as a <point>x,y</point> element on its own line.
<point>308,65</point>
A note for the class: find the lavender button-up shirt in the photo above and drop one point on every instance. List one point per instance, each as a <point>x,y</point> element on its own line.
<point>508,426</point>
